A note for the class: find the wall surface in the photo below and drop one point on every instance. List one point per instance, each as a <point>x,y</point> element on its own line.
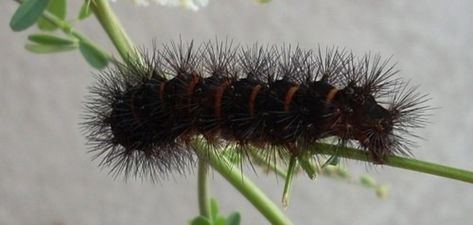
<point>47,178</point>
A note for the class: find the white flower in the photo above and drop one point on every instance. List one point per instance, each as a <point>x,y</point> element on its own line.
<point>188,4</point>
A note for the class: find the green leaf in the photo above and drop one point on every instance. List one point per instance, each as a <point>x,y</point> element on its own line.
<point>233,219</point>
<point>200,220</point>
<point>213,209</point>
<point>57,8</point>
<point>48,39</point>
<point>93,56</point>
<point>38,48</point>
<point>27,14</point>
<point>219,221</point>
<point>85,10</point>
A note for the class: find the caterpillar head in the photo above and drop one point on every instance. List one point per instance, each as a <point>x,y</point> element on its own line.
<point>375,126</point>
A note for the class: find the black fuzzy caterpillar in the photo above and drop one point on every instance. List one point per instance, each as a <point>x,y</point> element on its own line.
<point>140,118</point>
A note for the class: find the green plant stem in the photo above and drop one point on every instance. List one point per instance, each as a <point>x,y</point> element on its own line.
<point>244,185</point>
<point>112,26</point>
<point>68,29</point>
<point>202,189</point>
<point>396,161</point>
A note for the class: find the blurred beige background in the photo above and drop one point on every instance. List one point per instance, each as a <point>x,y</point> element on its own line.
<point>47,178</point>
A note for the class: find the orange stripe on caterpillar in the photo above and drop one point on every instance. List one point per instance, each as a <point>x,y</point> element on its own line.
<point>218,98</point>
<point>331,94</point>
<point>288,98</point>
<point>252,99</point>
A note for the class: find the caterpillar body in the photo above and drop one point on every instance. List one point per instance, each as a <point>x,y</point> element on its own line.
<point>141,117</point>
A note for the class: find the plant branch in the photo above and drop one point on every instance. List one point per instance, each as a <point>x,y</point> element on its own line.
<point>68,29</point>
<point>203,191</point>
<point>244,185</point>
<point>396,161</point>
<point>112,26</point>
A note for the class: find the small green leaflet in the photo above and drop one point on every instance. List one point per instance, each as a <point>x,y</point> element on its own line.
<point>233,219</point>
<point>49,39</point>
<point>85,10</point>
<point>93,56</point>
<point>215,218</point>
<point>27,14</point>
<point>200,220</point>
<point>48,43</point>
<point>38,48</point>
